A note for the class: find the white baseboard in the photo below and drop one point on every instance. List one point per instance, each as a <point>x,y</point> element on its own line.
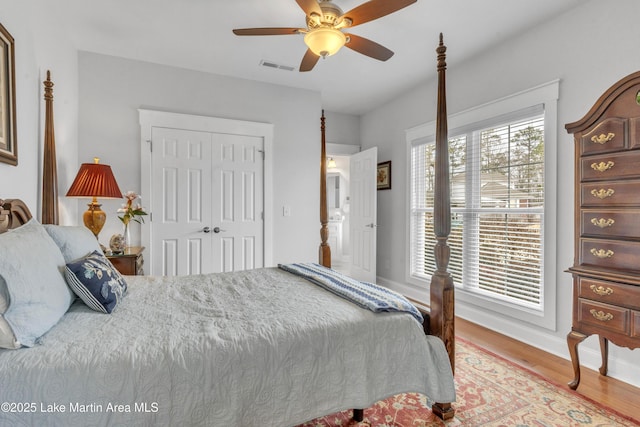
<point>589,350</point>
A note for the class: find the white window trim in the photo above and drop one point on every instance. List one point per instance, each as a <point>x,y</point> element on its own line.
<point>546,94</point>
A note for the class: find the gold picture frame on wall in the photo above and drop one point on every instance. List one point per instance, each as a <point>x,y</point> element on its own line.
<point>384,175</point>
<point>8,139</point>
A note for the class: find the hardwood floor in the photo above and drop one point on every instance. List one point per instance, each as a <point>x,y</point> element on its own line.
<point>612,393</point>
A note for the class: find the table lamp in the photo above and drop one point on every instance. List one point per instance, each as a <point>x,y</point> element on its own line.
<point>95,180</point>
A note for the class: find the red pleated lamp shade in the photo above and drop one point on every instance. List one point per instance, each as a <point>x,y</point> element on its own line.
<point>95,180</point>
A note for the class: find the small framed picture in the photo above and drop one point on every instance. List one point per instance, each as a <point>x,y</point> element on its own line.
<point>384,175</point>
<point>8,140</point>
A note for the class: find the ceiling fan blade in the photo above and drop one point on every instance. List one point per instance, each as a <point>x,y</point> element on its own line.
<point>368,47</point>
<point>265,31</point>
<point>309,61</point>
<point>310,6</point>
<point>374,9</point>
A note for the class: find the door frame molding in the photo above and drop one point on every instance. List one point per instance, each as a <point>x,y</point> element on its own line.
<point>149,119</point>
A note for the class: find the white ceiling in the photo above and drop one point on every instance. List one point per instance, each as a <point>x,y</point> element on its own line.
<point>196,34</point>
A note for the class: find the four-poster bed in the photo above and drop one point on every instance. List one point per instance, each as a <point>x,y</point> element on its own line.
<point>49,163</point>
<point>243,348</point>
<point>440,319</point>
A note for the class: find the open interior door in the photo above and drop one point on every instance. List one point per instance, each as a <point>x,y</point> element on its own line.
<point>363,168</point>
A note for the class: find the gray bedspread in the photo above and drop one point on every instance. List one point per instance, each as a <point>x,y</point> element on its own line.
<point>253,348</point>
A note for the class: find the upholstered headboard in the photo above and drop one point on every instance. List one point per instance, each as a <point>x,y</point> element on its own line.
<point>13,214</point>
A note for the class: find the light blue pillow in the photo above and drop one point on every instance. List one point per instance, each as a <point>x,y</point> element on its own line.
<point>96,281</point>
<point>74,241</point>
<point>31,266</point>
<point>7,338</point>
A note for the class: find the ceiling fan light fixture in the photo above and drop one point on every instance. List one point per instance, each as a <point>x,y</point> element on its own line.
<point>325,41</point>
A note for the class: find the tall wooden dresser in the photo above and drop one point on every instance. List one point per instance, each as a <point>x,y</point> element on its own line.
<point>606,269</point>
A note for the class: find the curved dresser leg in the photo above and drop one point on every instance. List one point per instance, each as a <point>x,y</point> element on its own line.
<point>604,351</point>
<point>573,339</point>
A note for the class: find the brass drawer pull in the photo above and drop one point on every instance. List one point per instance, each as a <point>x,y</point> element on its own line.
<point>602,166</point>
<point>602,138</point>
<point>601,253</point>
<point>602,193</point>
<point>601,290</point>
<point>601,315</point>
<point>603,223</point>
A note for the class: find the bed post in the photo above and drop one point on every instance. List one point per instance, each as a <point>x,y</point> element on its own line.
<point>325,250</point>
<point>442,289</point>
<point>49,169</point>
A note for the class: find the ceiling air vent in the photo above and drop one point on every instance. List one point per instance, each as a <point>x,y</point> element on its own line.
<point>272,64</point>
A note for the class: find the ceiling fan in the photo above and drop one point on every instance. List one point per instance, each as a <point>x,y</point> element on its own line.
<point>325,22</point>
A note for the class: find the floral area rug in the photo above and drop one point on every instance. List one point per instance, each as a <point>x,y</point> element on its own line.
<point>491,391</point>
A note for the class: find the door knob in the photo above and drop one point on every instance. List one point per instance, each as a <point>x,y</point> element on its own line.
<point>217,230</point>
<point>372,225</point>
<point>206,230</point>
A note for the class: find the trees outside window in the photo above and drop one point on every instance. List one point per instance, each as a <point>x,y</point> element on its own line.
<point>497,205</point>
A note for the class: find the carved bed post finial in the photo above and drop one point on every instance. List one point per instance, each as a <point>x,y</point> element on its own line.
<point>325,250</point>
<point>49,168</point>
<point>442,289</point>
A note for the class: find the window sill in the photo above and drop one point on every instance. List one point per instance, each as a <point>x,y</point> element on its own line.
<point>418,289</point>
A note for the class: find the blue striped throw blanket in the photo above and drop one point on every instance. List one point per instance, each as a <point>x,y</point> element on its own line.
<point>367,295</point>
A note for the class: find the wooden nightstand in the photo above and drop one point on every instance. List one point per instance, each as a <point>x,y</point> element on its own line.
<point>130,263</point>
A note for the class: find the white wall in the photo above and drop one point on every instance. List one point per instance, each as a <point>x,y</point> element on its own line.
<point>342,128</point>
<point>40,45</point>
<point>95,114</point>
<point>587,61</point>
<point>112,89</point>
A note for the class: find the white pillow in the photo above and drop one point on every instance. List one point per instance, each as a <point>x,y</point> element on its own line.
<point>7,339</point>
<point>32,268</point>
<point>74,241</point>
<point>4,296</point>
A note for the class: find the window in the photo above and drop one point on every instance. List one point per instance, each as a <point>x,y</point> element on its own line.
<point>498,209</point>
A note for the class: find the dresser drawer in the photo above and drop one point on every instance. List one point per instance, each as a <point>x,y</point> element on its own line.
<point>610,254</point>
<point>610,223</point>
<point>609,292</point>
<point>610,166</point>
<point>634,132</point>
<point>610,194</point>
<point>635,324</point>
<point>603,315</point>
<point>608,136</point>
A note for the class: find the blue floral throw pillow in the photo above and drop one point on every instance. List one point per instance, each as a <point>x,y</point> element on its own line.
<point>96,281</point>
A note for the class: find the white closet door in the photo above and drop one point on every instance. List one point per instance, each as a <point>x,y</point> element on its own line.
<point>181,202</point>
<point>238,237</point>
<point>200,175</point>
<point>207,203</point>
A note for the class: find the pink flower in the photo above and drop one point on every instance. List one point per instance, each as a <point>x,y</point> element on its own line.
<point>131,211</point>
